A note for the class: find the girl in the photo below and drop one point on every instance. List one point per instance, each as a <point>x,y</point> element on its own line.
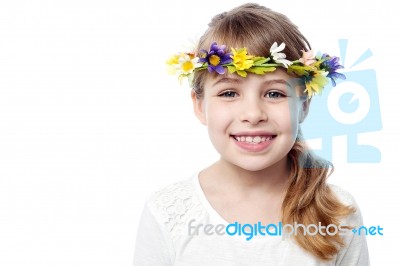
<point>266,200</point>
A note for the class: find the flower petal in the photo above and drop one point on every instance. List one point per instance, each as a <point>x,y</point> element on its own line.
<point>219,69</point>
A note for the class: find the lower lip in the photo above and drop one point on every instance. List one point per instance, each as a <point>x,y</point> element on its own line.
<point>253,147</point>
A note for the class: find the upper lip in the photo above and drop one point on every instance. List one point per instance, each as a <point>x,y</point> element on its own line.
<point>254,133</point>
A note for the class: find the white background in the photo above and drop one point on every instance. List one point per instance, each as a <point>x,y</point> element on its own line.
<point>90,123</point>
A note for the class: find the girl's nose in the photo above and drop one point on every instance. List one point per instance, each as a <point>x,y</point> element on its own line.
<point>253,112</point>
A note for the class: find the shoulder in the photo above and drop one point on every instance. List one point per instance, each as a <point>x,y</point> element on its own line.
<point>174,194</point>
<point>355,250</point>
<point>174,205</point>
<point>355,218</point>
<point>343,195</point>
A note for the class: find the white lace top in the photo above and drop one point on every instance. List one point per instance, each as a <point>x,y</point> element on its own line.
<point>164,239</point>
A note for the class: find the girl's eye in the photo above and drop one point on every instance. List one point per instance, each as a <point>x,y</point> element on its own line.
<point>275,94</point>
<point>228,94</point>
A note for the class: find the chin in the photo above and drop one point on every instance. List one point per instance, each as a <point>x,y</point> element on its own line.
<point>253,165</point>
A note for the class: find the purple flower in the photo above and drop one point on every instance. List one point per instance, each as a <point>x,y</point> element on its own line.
<point>215,58</point>
<point>331,65</point>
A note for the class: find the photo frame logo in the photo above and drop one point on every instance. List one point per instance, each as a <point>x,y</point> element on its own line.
<point>350,108</point>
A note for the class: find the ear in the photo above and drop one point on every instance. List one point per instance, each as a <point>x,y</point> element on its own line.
<point>305,106</point>
<point>198,108</point>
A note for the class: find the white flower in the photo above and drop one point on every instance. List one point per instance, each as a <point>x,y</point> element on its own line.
<point>279,57</point>
<point>183,63</point>
<point>187,63</point>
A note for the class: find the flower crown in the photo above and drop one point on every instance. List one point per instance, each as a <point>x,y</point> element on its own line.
<point>314,70</point>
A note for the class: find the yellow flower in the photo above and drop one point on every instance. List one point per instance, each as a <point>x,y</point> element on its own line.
<point>172,62</point>
<point>241,60</point>
<point>317,83</point>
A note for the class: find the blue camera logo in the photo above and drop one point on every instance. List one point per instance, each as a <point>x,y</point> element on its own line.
<point>350,108</point>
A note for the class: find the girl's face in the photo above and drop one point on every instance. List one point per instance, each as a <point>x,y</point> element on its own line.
<point>252,122</point>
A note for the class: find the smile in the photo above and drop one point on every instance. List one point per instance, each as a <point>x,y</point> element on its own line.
<point>253,139</point>
<point>254,142</point>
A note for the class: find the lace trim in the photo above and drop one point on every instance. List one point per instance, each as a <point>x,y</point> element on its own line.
<point>177,205</point>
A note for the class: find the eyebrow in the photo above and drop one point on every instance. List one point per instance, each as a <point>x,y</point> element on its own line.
<point>279,81</point>
<point>227,80</point>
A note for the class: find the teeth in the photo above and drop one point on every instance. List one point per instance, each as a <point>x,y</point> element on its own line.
<point>252,139</point>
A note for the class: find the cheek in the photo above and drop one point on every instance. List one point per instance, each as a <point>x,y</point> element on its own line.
<point>216,114</point>
<point>284,118</point>
<point>293,109</point>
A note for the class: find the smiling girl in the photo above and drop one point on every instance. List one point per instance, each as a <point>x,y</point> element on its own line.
<point>253,76</point>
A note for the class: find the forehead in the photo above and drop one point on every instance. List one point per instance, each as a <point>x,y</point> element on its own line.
<point>278,76</point>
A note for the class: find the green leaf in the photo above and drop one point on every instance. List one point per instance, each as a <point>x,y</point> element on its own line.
<point>231,69</point>
<point>242,73</point>
<point>261,70</point>
<point>300,70</point>
<point>260,60</point>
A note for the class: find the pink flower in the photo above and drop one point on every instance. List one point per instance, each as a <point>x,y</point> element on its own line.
<point>308,58</point>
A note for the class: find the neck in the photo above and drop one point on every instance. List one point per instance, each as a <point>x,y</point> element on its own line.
<point>272,179</point>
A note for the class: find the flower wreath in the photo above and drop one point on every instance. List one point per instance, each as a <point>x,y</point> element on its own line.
<point>314,70</point>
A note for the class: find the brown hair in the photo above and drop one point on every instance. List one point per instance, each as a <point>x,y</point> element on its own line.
<point>308,199</point>
<point>254,27</point>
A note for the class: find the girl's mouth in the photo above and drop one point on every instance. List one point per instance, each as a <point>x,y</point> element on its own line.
<point>253,143</point>
<point>253,139</point>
